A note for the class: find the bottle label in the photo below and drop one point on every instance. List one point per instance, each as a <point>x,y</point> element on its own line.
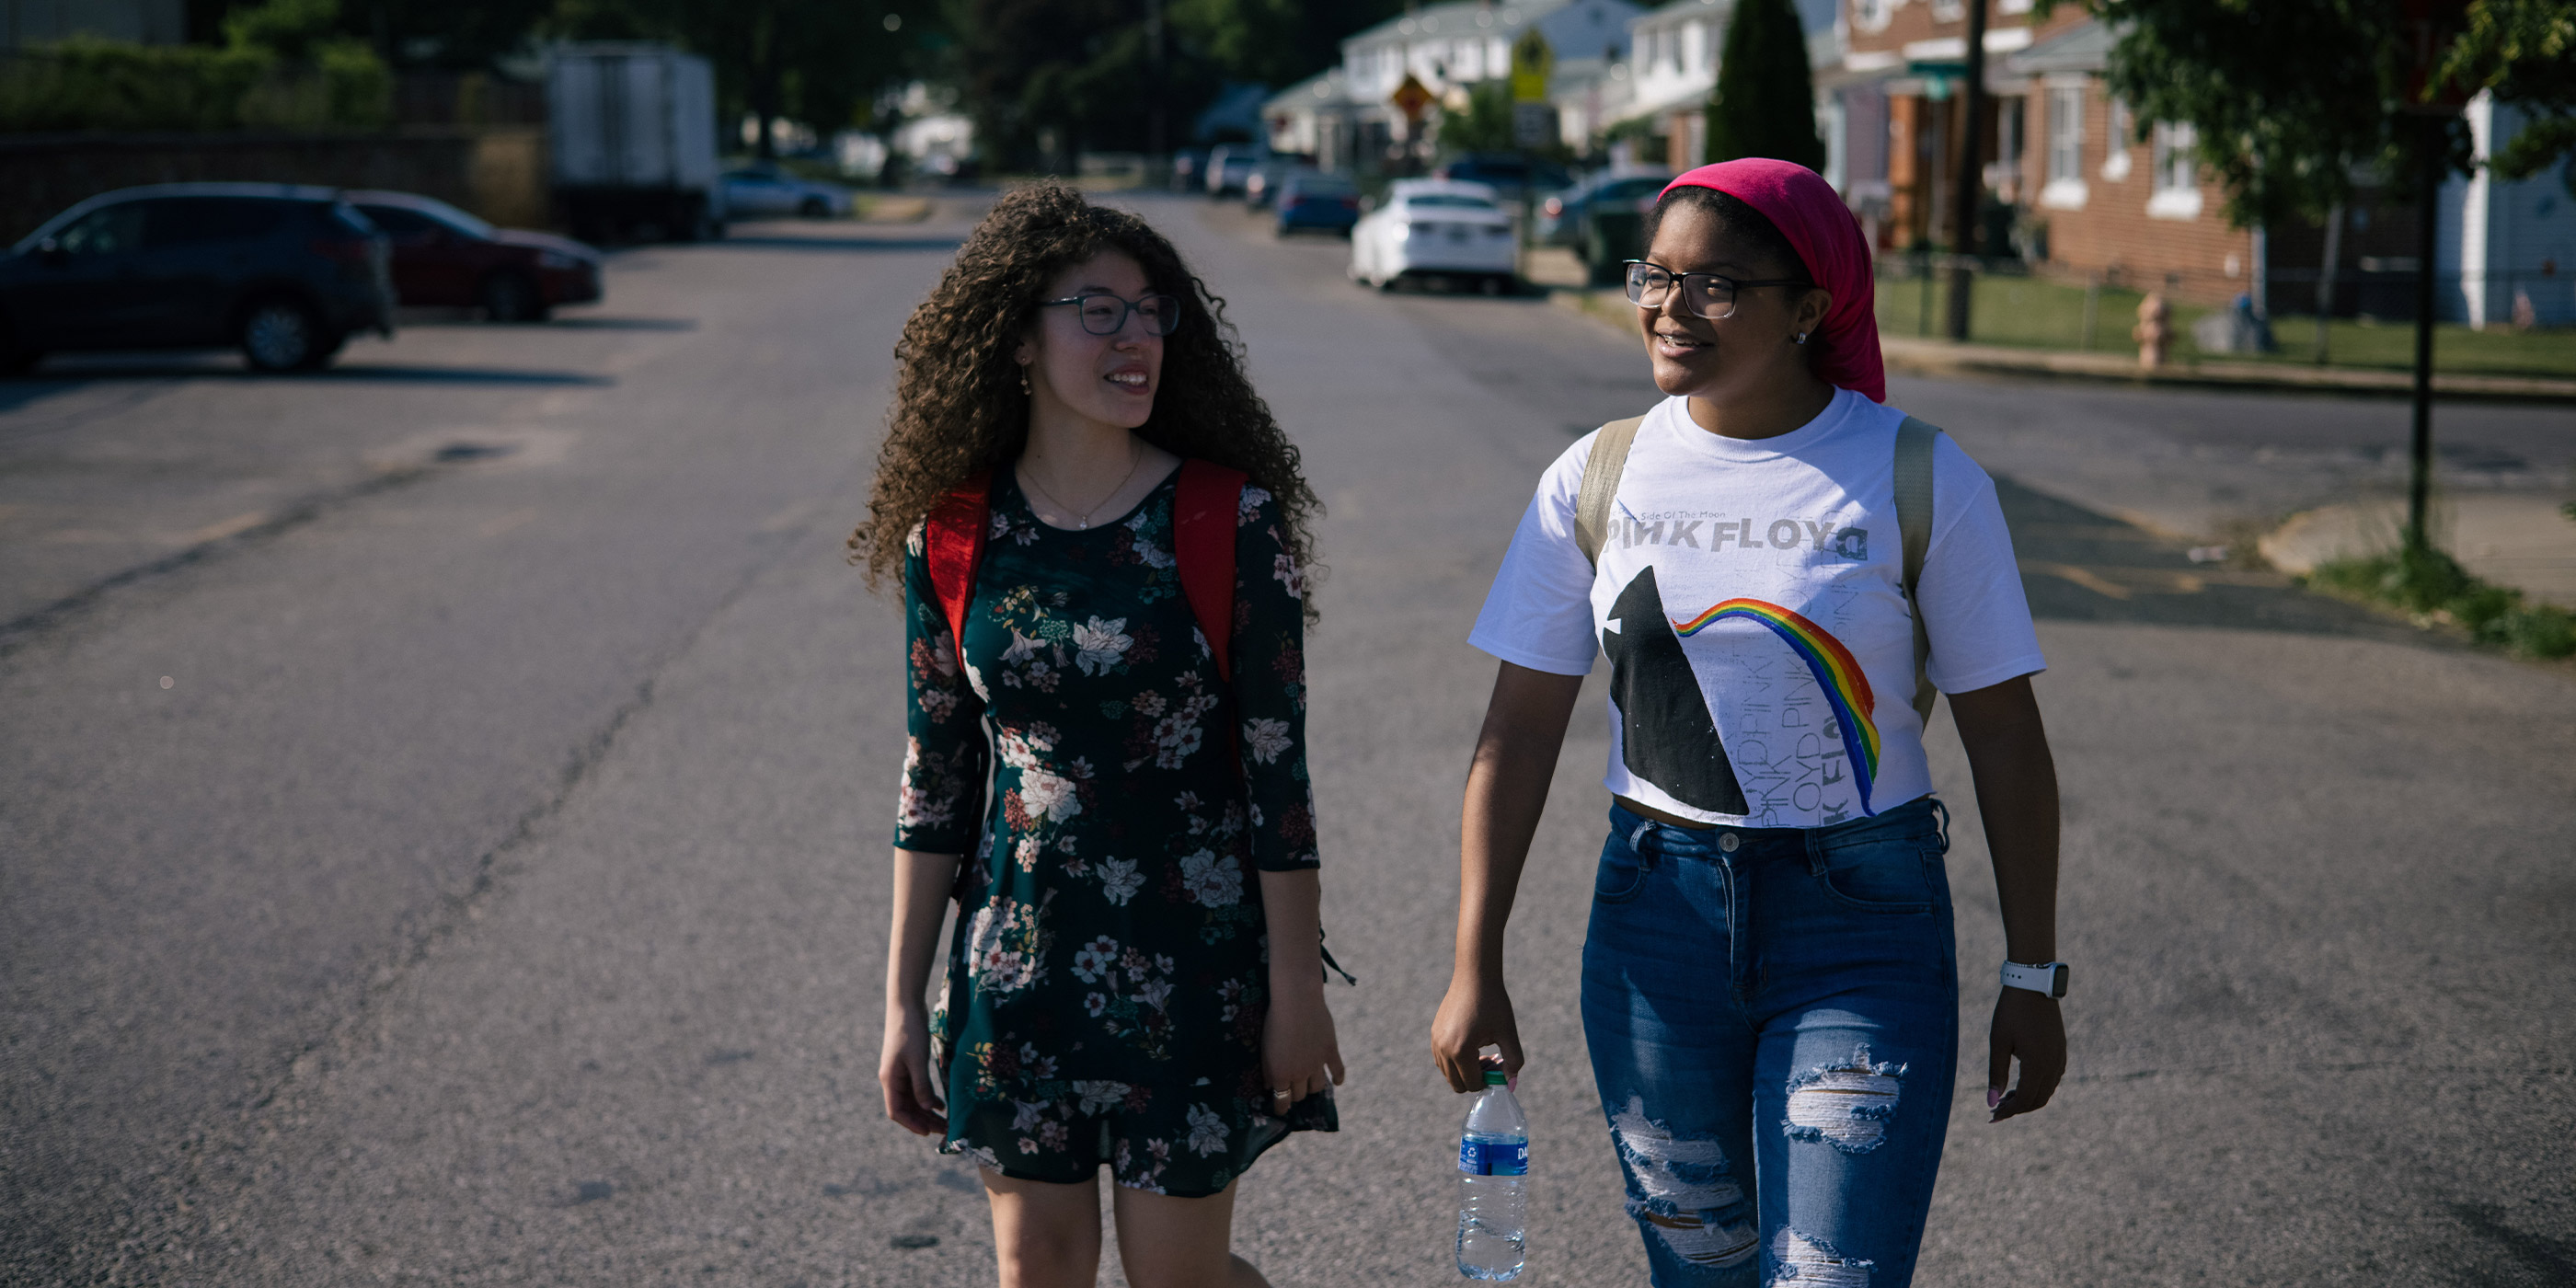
<point>1493,1157</point>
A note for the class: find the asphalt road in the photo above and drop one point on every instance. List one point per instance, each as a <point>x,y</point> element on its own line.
<point>443,806</point>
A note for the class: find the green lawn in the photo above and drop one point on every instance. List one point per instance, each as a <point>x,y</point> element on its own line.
<point>2032,313</point>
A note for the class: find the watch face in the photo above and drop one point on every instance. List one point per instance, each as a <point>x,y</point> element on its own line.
<point>2057,980</point>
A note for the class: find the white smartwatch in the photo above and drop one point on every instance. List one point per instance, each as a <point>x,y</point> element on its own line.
<point>2046,977</point>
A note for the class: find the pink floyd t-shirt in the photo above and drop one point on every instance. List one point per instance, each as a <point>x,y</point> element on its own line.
<point>1749,601</point>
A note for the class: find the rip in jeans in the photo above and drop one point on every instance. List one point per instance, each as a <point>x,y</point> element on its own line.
<point>1846,1104</point>
<point>1690,1201</point>
<point>1813,1263</point>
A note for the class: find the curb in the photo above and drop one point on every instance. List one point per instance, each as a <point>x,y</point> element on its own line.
<point>1939,358</point>
<point>1934,357</point>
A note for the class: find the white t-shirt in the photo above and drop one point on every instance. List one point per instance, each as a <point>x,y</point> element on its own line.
<point>1749,599</point>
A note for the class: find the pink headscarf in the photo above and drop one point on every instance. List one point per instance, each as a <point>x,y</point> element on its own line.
<point>1821,227</point>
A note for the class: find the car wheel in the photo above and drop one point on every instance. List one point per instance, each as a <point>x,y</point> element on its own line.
<point>1497,284</point>
<point>511,297</point>
<point>280,334</point>
<point>814,208</point>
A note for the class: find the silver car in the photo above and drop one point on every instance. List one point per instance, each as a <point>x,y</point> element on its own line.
<point>767,191</point>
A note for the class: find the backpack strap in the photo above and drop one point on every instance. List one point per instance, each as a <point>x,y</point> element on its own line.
<point>1914,525</point>
<point>1601,471</point>
<point>1206,503</point>
<point>953,537</point>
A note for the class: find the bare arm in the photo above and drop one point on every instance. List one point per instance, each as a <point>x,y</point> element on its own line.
<point>2017,797</point>
<point>1506,789</point>
<point>921,885</point>
<point>1298,1049</point>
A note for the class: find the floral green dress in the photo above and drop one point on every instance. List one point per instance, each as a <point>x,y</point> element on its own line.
<point>1107,984</point>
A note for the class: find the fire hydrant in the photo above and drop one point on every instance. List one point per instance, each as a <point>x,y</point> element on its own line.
<point>2154,330</point>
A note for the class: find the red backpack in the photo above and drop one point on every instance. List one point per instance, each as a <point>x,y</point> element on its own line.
<point>1204,511</point>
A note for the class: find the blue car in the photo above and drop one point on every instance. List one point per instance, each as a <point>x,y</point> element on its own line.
<point>1319,201</point>
<point>287,273</point>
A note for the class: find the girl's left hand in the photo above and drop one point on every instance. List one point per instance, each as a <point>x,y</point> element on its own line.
<point>1298,1050</point>
<point>2027,1028</point>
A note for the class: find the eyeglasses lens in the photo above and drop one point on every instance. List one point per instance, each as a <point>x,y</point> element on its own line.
<point>1107,314</point>
<point>1704,294</point>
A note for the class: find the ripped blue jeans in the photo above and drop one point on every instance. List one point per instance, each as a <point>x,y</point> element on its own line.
<point>1774,1022</point>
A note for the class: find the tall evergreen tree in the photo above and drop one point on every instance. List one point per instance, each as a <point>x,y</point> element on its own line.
<point>1765,101</point>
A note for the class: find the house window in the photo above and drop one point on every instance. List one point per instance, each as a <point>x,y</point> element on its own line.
<point>2065,188</point>
<point>2174,174</point>
<point>2116,139</point>
<point>2066,134</point>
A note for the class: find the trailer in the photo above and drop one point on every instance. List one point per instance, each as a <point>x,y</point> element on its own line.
<point>633,128</point>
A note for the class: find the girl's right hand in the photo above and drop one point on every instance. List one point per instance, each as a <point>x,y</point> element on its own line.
<point>903,1069</point>
<point>1476,1014</point>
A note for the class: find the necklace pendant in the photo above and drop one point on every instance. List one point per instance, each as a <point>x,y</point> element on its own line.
<point>1082,525</point>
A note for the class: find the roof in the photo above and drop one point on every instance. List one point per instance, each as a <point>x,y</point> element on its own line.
<point>1323,89</point>
<point>2084,47</point>
<point>1681,11</point>
<point>1457,18</point>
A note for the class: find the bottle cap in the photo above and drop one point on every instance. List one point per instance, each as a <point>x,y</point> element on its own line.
<point>1494,1077</point>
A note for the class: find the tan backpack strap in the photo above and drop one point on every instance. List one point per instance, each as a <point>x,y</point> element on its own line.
<point>1601,471</point>
<point>1914,527</point>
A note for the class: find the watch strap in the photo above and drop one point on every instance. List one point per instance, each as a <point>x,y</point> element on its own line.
<point>2046,977</point>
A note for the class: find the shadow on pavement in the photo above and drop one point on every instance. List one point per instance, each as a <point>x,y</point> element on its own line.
<point>2080,566</point>
<point>18,391</point>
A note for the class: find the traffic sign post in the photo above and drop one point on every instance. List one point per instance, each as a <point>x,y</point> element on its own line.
<point>1533,122</point>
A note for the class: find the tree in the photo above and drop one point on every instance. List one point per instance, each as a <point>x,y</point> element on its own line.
<point>2523,52</point>
<point>2287,97</point>
<point>822,62</point>
<point>1765,101</point>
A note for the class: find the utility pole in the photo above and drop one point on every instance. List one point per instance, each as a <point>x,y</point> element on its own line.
<point>1157,150</point>
<point>1971,182</point>
<point>2428,209</point>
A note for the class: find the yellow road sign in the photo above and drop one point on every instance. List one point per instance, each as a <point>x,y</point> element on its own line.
<point>1411,97</point>
<point>1532,61</point>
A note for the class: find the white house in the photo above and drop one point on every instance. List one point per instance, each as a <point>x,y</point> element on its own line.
<point>1450,47</point>
<point>1672,66</point>
<point>2512,244</point>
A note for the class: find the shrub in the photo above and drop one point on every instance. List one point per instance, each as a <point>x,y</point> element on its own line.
<point>87,83</point>
<point>2433,586</point>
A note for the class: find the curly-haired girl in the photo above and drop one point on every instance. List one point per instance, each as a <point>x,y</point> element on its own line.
<point>1118,992</point>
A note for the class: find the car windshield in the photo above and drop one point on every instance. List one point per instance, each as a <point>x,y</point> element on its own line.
<point>1449,200</point>
<point>1320,188</point>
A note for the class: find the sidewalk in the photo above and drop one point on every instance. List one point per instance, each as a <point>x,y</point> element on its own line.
<point>2523,541</point>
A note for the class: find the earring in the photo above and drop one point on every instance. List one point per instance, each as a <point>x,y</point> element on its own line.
<point>1802,337</point>
<point>1025,391</point>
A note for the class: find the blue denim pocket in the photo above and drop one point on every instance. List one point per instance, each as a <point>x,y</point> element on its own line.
<point>1622,872</point>
<point>1889,876</point>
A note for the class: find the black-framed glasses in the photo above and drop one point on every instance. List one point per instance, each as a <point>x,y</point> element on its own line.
<point>1708,295</point>
<point>1104,314</point>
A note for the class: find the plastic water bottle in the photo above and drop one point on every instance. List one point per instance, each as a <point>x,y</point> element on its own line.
<point>1493,1185</point>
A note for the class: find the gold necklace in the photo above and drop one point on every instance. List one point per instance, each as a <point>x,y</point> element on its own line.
<point>1083,521</point>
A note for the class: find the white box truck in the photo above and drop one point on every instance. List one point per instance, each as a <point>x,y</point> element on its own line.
<point>634,140</point>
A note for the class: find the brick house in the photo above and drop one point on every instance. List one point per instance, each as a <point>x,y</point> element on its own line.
<point>2069,188</point>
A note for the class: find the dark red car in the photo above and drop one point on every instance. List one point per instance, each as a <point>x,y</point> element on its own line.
<point>444,256</point>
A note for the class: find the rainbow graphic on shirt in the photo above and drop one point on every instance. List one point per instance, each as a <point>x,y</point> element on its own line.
<point>1837,673</point>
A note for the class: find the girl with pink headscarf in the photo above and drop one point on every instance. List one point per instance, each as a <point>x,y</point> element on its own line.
<point>1770,990</point>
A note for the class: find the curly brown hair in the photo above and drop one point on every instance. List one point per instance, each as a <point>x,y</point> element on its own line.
<point>959,408</point>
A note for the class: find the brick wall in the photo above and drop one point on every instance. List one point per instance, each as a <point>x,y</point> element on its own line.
<point>2199,259</point>
<point>499,174</point>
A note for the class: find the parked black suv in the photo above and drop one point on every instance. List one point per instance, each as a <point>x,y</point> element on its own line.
<point>285,272</point>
